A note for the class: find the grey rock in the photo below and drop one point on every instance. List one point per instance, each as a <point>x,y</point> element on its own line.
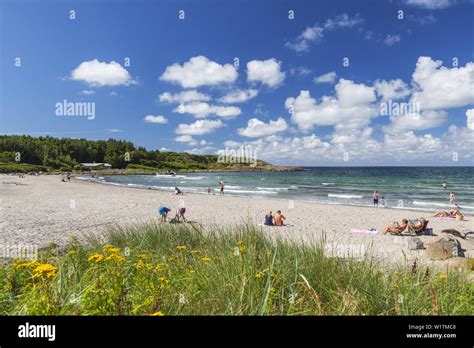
<point>415,244</point>
<point>443,249</point>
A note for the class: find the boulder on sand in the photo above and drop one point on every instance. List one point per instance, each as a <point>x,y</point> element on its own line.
<point>415,244</point>
<point>443,248</point>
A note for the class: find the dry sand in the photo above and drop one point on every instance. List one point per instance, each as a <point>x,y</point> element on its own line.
<point>39,210</point>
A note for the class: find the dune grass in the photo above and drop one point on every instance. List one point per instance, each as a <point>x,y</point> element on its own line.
<point>162,269</point>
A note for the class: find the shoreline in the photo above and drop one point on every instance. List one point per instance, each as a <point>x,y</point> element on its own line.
<point>154,188</point>
<point>41,209</point>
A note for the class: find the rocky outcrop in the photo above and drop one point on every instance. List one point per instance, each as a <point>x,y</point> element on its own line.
<point>443,247</point>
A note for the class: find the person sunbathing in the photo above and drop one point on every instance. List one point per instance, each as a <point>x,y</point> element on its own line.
<point>396,228</point>
<point>279,218</point>
<point>417,227</point>
<point>442,213</point>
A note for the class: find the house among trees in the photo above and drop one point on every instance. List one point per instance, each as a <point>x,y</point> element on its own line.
<point>95,165</point>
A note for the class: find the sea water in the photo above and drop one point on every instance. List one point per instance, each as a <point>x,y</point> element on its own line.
<point>417,188</point>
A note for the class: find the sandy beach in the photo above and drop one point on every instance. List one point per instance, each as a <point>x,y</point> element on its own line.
<point>38,210</point>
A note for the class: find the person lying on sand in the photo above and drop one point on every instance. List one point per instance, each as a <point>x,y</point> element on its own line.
<point>451,213</point>
<point>279,218</point>
<point>163,211</point>
<point>396,228</point>
<point>418,226</point>
<point>268,221</point>
<point>177,191</point>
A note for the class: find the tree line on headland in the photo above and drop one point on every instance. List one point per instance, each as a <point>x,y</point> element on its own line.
<point>24,153</point>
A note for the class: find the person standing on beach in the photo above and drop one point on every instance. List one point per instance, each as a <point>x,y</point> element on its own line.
<point>452,198</point>
<point>375,196</point>
<point>221,184</point>
<point>444,184</point>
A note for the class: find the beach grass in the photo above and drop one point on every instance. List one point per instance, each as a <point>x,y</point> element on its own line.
<point>166,269</point>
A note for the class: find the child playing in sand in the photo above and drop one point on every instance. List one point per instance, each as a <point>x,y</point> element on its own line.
<point>180,215</point>
<point>163,211</point>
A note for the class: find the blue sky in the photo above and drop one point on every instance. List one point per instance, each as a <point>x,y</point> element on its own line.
<point>290,116</point>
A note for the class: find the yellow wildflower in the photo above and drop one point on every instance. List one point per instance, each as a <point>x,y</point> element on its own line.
<point>46,270</point>
<point>258,275</point>
<point>240,242</point>
<point>181,247</point>
<point>171,258</point>
<point>163,280</point>
<point>96,258</point>
<point>194,251</point>
<point>157,314</point>
<point>442,276</point>
<point>191,271</point>
<point>206,259</point>
<point>461,298</point>
<point>114,257</point>
<point>23,264</point>
<point>110,249</point>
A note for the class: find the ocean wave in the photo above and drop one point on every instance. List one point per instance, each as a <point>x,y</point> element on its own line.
<point>254,192</point>
<point>273,188</point>
<point>336,195</point>
<point>327,183</point>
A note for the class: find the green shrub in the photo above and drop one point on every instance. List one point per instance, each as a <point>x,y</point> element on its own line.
<point>21,168</point>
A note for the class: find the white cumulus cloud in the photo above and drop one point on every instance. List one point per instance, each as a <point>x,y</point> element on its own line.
<point>199,109</point>
<point>352,107</point>
<point>199,127</point>
<point>238,96</point>
<point>256,128</point>
<point>98,74</point>
<point>267,72</point>
<point>183,97</point>
<point>439,87</point>
<point>330,77</point>
<point>155,119</point>
<point>394,89</point>
<point>200,71</point>
<point>431,4</point>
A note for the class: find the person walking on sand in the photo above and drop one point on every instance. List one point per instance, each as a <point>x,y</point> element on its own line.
<point>209,190</point>
<point>452,198</point>
<point>221,184</point>
<point>375,196</point>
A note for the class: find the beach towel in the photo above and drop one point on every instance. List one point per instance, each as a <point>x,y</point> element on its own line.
<point>287,225</point>
<point>369,231</point>
<point>447,218</point>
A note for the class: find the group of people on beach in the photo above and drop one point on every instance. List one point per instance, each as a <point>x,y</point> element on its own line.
<point>415,227</point>
<point>163,211</point>
<point>221,188</point>
<point>276,219</point>
<point>375,197</point>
